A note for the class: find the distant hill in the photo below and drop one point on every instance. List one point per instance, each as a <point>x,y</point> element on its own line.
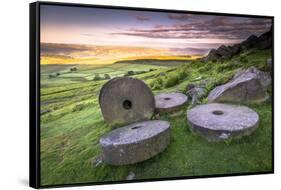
<point>158,62</point>
<point>52,53</point>
<point>161,60</point>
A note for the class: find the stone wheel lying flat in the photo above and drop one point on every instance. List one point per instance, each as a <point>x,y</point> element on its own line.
<point>126,100</point>
<point>169,102</point>
<point>217,122</point>
<point>135,143</point>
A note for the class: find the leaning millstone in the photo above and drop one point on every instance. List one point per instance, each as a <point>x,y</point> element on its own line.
<point>217,122</point>
<point>126,100</point>
<point>169,102</point>
<point>246,86</point>
<point>135,143</point>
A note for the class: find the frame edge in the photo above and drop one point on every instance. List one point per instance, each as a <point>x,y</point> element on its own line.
<point>34,171</point>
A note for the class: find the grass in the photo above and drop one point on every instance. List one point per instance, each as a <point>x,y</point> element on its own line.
<point>71,130</point>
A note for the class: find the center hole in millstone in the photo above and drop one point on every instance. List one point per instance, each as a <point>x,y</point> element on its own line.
<point>217,112</point>
<point>136,127</point>
<point>167,98</point>
<point>127,104</point>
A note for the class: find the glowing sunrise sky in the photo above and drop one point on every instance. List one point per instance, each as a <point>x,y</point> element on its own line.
<point>96,26</point>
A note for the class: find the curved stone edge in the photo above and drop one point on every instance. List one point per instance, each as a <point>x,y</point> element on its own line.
<point>220,135</point>
<point>126,154</point>
<point>174,109</point>
<point>104,86</point>
<point>114,125</point>
<point>170,110</point>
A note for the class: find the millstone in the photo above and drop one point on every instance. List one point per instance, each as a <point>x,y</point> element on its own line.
<point>135,143</point>
<point>169,102</point>
<point>126,100</point>
<point>217,122</point>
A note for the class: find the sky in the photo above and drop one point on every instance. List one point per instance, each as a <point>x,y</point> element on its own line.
<point>115,27</point>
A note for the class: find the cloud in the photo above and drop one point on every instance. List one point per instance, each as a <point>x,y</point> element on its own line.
<point>191,50</point>
<point>181,17</point>
<point>204,27</point>
<point>142,18</point>
<point>85,34</point>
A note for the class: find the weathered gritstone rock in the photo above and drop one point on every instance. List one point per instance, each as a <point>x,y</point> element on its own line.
<point>247,85</point>
<point>195,92</point>
<point>135,143</point>
<point>169,102</point>
<point>126,100</point>
<point>264,41</point>
<point>217,122</point>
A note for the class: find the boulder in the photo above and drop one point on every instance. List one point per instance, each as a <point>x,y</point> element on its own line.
<point>195,92</point>
<point>217,122</point>
<point>135,143</point>
<point>131,176</point>
<point>247,85</point>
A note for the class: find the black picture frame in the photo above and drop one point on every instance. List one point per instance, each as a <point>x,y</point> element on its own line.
<point>34,92</point>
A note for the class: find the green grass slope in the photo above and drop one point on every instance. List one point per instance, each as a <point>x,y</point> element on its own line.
<point>72,125</point>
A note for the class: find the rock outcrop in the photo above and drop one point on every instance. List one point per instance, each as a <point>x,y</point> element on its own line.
<point>247,85</point>
<point>225,52</point>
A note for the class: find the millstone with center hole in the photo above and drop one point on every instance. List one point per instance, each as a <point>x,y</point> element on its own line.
<point>126,100</point>
<point>217,122</point>
<point>169,102</point>
<point>135,143</point>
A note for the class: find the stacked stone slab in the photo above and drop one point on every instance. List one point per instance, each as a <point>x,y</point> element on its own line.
<point>129,101</point>
<point>136,142</point>
<point>218,122</point>
<point>170,102</point>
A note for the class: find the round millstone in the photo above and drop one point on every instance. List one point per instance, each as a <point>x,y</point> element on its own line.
<point>125,100</point>
<point>135,143</point>
<point>217,122</point>
<point>169,102</point>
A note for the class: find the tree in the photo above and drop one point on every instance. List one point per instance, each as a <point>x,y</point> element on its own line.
<point>97,77</point>
<point>73,69</point>
<point>51,76</point>
<point>130,73</point>
<point>107,76</point>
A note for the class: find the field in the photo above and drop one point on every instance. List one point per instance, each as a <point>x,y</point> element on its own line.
<point>71,122</point>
